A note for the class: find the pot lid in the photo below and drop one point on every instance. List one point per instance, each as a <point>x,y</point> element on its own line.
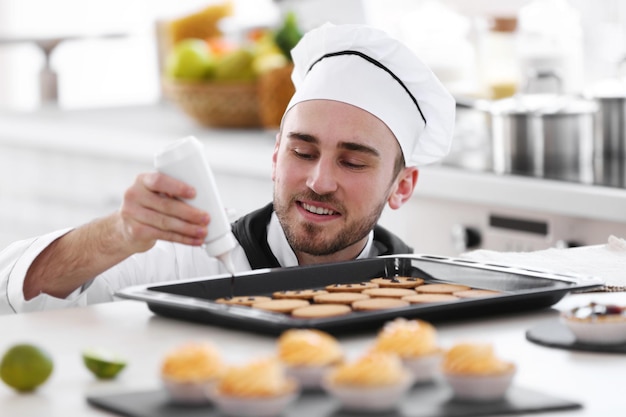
<point>544,104</point>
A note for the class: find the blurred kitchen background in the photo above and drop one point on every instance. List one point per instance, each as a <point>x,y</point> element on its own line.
<point>540,148</point>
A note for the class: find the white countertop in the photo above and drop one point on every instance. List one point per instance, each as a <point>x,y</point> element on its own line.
<point>128,327</point>
<point>135,133</point>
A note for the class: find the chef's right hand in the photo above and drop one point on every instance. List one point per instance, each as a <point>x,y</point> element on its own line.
<point>152,210</point>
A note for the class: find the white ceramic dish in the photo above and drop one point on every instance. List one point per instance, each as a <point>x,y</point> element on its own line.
<point>598,332</point>
<point>369,399</point>
<point>479,387</point>
<point>252,407</point>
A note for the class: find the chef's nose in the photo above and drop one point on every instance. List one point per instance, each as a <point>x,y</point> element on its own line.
<point>322,178</point>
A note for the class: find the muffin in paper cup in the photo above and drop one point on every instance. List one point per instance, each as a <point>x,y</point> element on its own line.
<point>480,387</point>
<point>259,388</point>
<point>597,324</point>
<point>189,393</point>
<point>308,354</point>
<point>253,406</point>
<point>415,342</point>
<point>424,368</point>
<point>375,382</point>
<point>188,371</point>
<point>474,372</point>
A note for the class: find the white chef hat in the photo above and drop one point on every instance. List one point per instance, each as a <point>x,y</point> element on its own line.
<point>365,67</point>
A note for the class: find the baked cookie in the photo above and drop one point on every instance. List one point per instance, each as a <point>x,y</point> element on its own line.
<point>286,305</point>
<point>340,297</point>
<point>441,288</point>
<point>316,311</point>
<point>429,298</point>
<point>243,300</point>
<point>475,293</point>
<point>351,287</point>
<point>398,282</point>
<point>298,294</point>
<point>378,304</point>
<point>389,292</point>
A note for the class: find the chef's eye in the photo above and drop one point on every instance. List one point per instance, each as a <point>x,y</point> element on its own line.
<point>303,154</point>
<point>356,165</point>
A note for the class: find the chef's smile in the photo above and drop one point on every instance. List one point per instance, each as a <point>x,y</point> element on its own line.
<point>316,211</point>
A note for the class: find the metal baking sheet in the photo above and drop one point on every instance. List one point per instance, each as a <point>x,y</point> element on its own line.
<point>520,289</point>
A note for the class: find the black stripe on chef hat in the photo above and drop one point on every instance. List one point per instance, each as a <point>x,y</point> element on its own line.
<point>379,65</point>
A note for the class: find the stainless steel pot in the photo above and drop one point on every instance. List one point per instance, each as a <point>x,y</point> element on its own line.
<point>611,146</point>
<point>541,134</point>
<point>545,135</point>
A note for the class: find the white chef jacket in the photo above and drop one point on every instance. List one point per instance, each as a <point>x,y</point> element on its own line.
<point>166,261</point>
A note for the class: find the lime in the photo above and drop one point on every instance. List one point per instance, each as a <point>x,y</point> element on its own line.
<point>103,363</point>
<point>24,367</point>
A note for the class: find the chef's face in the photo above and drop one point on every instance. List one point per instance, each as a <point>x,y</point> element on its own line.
<point>335,166</point>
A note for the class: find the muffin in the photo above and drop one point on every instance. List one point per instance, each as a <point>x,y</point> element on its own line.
<point>599,324</point>
<point>415,342</point>
<point>475,373</point>
<point>308,354</point>
<point>259,388</point>
<point>188,371</point>
<point>374,382</point>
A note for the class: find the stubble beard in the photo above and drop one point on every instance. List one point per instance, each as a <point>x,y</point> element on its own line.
<point>311,238</point>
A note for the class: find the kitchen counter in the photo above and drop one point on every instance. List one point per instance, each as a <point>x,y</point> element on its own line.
<point>130,329</point>
<point>135,133</point>
<point>81,161</point>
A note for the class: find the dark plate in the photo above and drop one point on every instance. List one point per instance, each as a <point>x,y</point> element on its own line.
<point>557,335</point>
<point>429,400</point>
<point>520,289</point>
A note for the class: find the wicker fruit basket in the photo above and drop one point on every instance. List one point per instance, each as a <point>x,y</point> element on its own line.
<point>212,104</point>
<point>274,91</point>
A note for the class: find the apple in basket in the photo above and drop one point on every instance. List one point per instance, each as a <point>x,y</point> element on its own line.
<point>191,59</point>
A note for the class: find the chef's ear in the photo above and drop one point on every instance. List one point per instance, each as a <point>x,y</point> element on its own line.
<point>403,189</point>
<point>275,155</point>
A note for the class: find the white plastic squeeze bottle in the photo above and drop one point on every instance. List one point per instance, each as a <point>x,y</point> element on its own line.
<point>185,160</point>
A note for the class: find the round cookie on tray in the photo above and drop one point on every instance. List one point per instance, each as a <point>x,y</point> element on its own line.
<point>298,294</point>
<point>429,298</point>
<point>389,292</point>
<point>398,282</point>
<point>351,287</point>
<point>442,288</point>
<point>243,300</point>
<point>476,293</point>
<point>373,304</point>
<point>286,305</point>
<point>318,311</point>
<point>340,297</point>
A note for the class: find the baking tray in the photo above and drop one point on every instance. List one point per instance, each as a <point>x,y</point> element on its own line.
<point>519,289</point>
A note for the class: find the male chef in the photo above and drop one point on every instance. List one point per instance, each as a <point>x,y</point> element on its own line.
<point>365,115</point>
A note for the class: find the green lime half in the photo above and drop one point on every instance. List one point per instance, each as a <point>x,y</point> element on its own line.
<point>103,363</point>
<point>24,367</point>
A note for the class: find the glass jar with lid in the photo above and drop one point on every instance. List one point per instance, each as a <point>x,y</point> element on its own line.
<point>498,66</point>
